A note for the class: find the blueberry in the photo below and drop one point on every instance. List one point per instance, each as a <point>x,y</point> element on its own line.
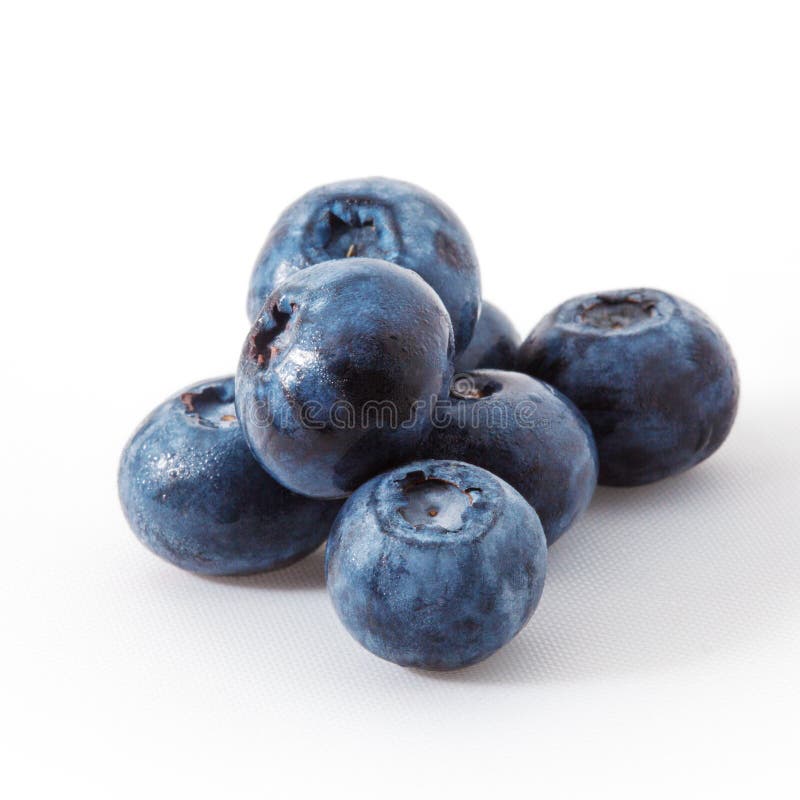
<point>526,433</point>
<point>436,564</point>
<point>195,496</point>
<point>374,218</point>
<point>651,373</point>
<point>494,344</point>
<point>339,372</point>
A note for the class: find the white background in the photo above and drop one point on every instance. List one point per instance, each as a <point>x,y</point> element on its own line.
<point>146,150</point>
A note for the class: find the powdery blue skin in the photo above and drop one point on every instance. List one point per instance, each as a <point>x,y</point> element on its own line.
<point>437,592</point>
<point>339,372</point>
<point>651,373</point>
<point>374,218</point>
<point>494,344</point>
<point>193,493</point>
<point>525,432</point>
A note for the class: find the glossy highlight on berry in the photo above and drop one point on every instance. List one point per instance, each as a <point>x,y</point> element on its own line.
<point>194,495</point>
<point>338,374</point>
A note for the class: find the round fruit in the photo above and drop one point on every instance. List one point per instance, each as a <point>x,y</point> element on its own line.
<point>436,564</point>
<point>339,372</point>
<point>193,493</point>
<point>526,433</point>
<point>375,218</point>
<point>651,373</point>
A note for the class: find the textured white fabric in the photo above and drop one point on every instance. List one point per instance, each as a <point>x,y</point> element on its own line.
<point>667,631</point>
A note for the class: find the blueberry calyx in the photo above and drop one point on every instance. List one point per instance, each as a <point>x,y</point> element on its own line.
<point>262,350</point>
<point>356,226</point>
<point>464,509</point>
<point>211,407</point>
<point>435,502</point>
<point>615,312</point>
<point>469,386</point>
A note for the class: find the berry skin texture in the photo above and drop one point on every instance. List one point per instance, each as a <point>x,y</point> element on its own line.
<point>339,372</point>
<point>653,376</point>
<point>494,344</point>
<point>526,433</point>
<point>436,564</point>
<point>194,495</point>
<point>374,218</point>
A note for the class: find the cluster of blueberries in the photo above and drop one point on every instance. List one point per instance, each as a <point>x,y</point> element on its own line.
<point>380,405</point>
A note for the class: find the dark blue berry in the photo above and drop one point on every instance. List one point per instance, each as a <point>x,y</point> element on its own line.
<point>525,432</point>
<point>651,373</point>
<point>193,493</point>
<point>375,218</point>
<point>494,344</point>
<point>337,377</point>
<point>436,564</point>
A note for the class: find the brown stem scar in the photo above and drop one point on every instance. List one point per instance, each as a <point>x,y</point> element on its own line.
<point>187,398</point>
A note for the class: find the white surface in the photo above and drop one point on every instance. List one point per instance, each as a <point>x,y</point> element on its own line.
<point>145,152</point>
